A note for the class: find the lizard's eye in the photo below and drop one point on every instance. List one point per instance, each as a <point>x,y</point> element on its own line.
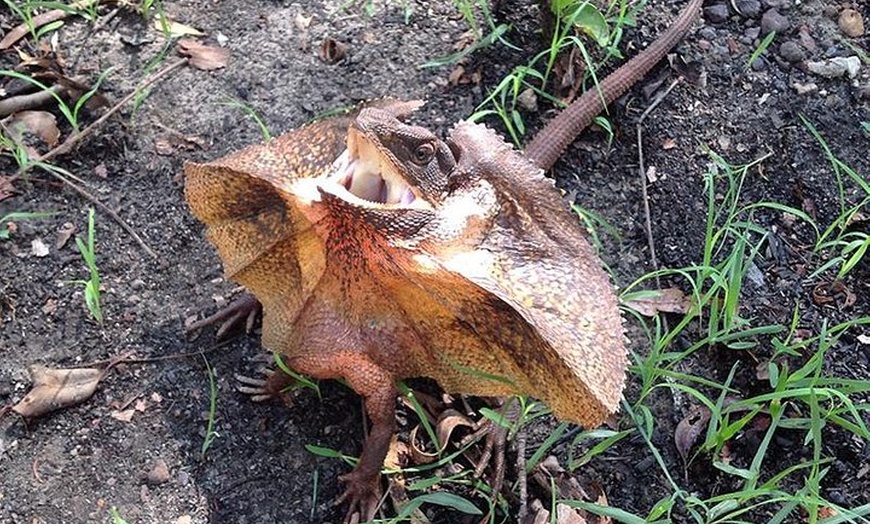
<point>424,153</point>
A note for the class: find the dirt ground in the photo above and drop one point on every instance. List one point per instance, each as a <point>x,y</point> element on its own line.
<point>75,464</point>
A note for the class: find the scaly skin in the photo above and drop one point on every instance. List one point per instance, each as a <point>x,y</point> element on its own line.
<point>410,256</point>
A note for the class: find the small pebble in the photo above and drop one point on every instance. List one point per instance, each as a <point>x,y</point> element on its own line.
<point>159,473</point>
<point>716,13</point>
<point>773,21</point>
<point>805,89</point>
<point>759,64</point>
<point>836,67</point>
<point>749,8</point>
<point>792,52</point>
<point>707,33</point>
<point>851,23</point>
<point>528,100</point>
<point>807,41</point>
<point>752,33</point>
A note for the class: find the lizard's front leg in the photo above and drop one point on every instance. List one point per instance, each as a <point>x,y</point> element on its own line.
<point>378,389</point>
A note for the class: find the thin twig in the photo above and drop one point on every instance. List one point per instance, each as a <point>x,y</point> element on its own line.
<point>18,32</point>
<point>14,104</point>
<point>107,210</point>
<point>642,170</point>
<point>126,359</point>
<point>75,138</point>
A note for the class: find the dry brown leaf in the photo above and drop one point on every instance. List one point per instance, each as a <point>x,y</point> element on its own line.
<point>670,300</point>
<point>176,29</point>
<point>836,291</point>
<point>302,22</point>
<point>689,429</point>
<point>550,472</point>
<point>57,388</point>
<point>63,234</point>
<point>124,416</point>
<point>537,514</point>
<point>205,57</point>
<point>18,32</point>
<point>601,500</point>
<point>456,75</point>
<point>332,51</point>
<point>449,420</point>
<point>6,189</point>
<point>38,123</point>
<point>418,454</point>
<point>567,515</point>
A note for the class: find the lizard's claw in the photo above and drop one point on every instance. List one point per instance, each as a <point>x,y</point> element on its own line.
<point>493,453</point>
<point>272,387</point>
<point>363,496</point>
<point>246,307</point>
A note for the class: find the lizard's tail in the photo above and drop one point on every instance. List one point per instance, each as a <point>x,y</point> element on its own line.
<point>551,141</point>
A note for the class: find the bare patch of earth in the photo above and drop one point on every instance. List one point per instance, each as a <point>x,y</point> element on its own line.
<point>73,465</point>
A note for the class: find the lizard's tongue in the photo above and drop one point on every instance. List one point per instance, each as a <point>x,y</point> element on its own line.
<point>365,180</point>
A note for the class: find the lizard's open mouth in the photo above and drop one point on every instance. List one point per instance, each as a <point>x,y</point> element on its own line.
<point>364,172</point>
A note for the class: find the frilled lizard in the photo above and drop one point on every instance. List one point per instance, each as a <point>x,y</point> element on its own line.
<point>407,255</point>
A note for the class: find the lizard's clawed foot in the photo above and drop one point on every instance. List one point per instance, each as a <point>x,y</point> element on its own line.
<point>362,495</point>
<point>493,454</point>
<point>272,387</point>
<point>244,308</point>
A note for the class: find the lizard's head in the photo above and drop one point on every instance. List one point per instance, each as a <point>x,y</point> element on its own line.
<point>392,163</point>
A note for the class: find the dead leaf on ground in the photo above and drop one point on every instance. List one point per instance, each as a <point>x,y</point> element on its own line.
<point>332,51</point>
<point>549,473</point>
<point>41,124</point>
<point>6,189</point>
<point>202,56</point>
<point>123,416</point>
<point>569,72</point>
<point>302,22</point>
<point>57,388</point>
<point>830,292</point>
<point>175,29</point>
<point>64,234</point>
<point>689,429</point>
<point>448,421</point>
<point>42,19</point>
<point>670,300</point>
<point>418,454</point>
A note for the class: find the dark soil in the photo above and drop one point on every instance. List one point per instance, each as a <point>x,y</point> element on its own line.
<point>77,463</point>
